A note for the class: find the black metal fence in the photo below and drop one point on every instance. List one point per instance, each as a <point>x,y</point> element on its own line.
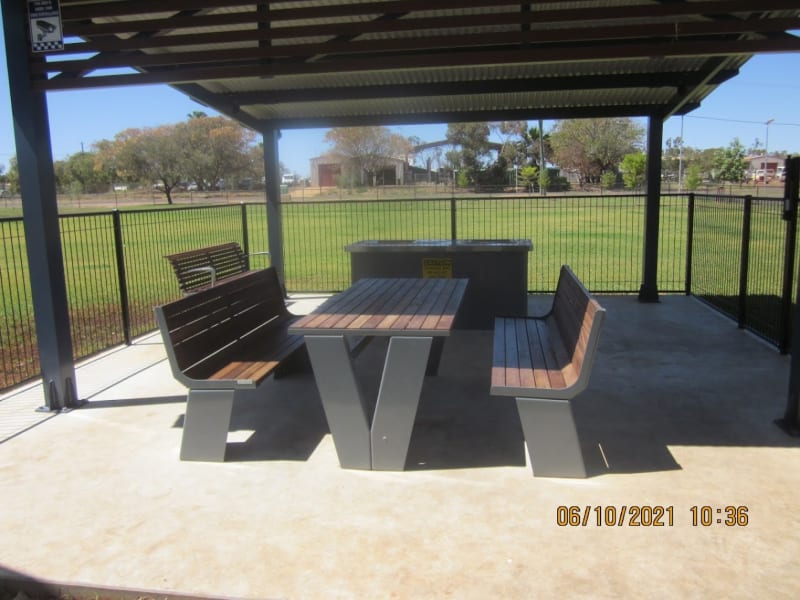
<point>600,236</point>
<point>740,264</point>
<point>726,250</point>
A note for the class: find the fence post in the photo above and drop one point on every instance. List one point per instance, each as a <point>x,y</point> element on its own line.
<point>453,232</point>
<point>748,210</point>
<point>245,236</point>
<point>789,246</point>
<point>689,244</point>
<point>121,277</point>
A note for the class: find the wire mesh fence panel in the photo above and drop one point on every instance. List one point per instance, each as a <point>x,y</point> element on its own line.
<point>87,243</point>
<point>315,235</point>
<point>148,236</point>
<point>257,235</point>
<point>717,251</point>
<point>765,271</point>
<point>19,357</point>
<point>673,236</point>
<point>599,237</point>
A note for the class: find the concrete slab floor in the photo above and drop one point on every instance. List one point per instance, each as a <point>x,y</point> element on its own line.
<point>679,414</point>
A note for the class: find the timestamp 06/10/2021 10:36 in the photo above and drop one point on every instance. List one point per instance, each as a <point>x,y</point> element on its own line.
<point>647,515</point>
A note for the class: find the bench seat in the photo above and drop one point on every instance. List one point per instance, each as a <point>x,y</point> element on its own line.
<point>202,268</point>
<point>221,341</point>
<point>544,362</point>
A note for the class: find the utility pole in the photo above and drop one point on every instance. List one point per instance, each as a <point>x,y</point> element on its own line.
<point>543,165</point>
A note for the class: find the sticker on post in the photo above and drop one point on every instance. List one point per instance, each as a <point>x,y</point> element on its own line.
<point>437,268</point>
<point>45,25</point>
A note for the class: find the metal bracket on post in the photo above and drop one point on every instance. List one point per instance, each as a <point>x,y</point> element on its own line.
<point>62,403</point>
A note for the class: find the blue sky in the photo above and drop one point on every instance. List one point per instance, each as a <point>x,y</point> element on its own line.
<point>768,87</point>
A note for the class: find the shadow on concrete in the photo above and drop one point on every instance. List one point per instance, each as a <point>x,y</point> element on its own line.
<point>93,404</point>
<point>667,374</point>
<point>18,586</point>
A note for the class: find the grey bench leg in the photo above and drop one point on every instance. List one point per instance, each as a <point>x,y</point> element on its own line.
<point>342,399</point>
<point>551,436</point>
<point>205,427</point>
<point>398,398</point>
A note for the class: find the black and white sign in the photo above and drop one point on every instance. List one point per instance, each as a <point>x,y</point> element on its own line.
<point>45,22</point>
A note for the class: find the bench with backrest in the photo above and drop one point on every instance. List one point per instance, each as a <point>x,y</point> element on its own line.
<point>219,342</point>
<point>544,362</point>
<point>202,268</point>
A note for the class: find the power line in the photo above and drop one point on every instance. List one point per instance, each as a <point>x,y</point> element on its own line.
<point>742,121</point>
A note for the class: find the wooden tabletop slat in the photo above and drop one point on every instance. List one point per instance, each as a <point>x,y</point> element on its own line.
<point>436,312</point>
<point>423,305</point>
<point>388,306</point>
<point>339,304</point>
<point>449,313</point>
<point>387,320</point>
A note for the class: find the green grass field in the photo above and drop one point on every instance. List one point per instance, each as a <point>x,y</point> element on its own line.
<point>599,236</point>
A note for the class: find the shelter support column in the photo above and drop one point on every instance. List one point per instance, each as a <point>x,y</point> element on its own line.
<point>649,289</point>
<point>791,198</point>
<point>272,188</point>
<point>40,216</point>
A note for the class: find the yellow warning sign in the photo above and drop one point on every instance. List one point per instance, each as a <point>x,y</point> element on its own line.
<point>437,268</point>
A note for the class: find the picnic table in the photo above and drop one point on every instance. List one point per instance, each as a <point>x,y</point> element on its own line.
<point>411,312</point>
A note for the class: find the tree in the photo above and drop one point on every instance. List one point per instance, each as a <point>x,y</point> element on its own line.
<point>730,163</point>
<point>513,149</point>
<point>634,170</point>
<point>693,178</point>
<point>529,175</point>
<point>213,148</point>
<point>608,180</point>
<point>105,160</point>
<point>592,146</point>
<point>12,175</point>
<point>672,157</point>
<point>534,147</point>
<point>473,148</point>
<point>151,155</point>
<point>79,173</point>
<point>363,151</point>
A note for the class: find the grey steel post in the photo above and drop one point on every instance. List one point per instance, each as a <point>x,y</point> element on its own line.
<point>273,192</point>
<point>689,244</point>
<point>119,250</point>
<point>744,265</point>
<point>789,246</point>
<point>791,418</point>
<point>245,234</point>
<point>40,212</point>
<point>649,289</point>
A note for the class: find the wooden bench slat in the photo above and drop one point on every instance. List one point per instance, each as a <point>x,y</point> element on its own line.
<point>536,375</point>
<point>511,353</point>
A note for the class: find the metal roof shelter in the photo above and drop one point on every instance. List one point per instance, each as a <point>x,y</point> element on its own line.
<point>319,63</point>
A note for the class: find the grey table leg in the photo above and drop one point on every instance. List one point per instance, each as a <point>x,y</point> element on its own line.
<point>401,384</point>
<point>435,356</point>
<point>551,436</point>
<point>342,399</point>
<point>205,426</point>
